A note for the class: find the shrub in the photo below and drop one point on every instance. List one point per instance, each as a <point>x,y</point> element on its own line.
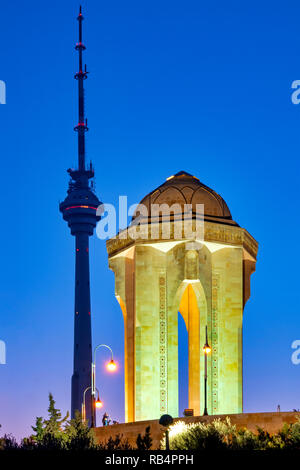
<point>117,443</point>
<point>144,442</point>
<point>78,435</point>
<point>222,435</point>
<point>197,436</point>
<point>8,442</point>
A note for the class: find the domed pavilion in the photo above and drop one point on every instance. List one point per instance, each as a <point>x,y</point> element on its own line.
<point>204,279</point>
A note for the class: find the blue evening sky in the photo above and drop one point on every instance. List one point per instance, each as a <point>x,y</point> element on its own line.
<point>174,85</point>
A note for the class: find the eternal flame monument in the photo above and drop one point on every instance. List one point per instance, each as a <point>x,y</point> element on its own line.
<point>208,284</point>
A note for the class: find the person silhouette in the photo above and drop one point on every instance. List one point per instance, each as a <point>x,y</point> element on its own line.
<point>105,420</point>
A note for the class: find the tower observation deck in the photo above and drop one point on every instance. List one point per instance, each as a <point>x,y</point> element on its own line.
<point>79,210</point>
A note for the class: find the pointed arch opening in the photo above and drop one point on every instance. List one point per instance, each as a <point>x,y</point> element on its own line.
<point>183,365</point>
<point>128,363</point>
<point>192,306</point>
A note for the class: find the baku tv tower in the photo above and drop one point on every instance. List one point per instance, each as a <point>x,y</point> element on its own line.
<point>79,210</point>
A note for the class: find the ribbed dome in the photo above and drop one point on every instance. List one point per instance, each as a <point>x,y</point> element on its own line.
<point>184,188</point>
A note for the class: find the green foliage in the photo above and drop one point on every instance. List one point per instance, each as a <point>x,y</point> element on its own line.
<point>117,443</point>
<point>49,433</point>
<point>199,437</point>
<point>290,436</point>
<point>295,435</point>
<point>144,442</point>
<point>28,443</point>
<point>38,429</point>
<point>60,434</point>
<point>78,435</point>
<point>243,439</point>
<point>266,442</point>
<point>222,435</point>
<point>53,425</point>
<point>52,442</point>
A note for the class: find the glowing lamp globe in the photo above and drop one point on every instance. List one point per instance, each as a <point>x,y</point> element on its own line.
<point>98,403</point>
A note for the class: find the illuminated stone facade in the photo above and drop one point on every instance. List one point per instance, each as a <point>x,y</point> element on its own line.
<point>207,282</point>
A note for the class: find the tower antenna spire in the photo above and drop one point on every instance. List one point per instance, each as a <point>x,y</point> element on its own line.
<point>80,76</point>
<point>79,209</point>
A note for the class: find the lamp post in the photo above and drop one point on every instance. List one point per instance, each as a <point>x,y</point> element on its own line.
<point>98,403</point>
<point>206,350</point>
<point>111,366</point>
<point>166,421</point>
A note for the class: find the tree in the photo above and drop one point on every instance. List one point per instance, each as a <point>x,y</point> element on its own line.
<point>49,433</point>
<point>38,429</point>
<point>78,435</point>
<point>53,424</point>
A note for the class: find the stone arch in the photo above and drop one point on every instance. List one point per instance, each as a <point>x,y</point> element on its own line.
<point>123,307</point>
<point>128,362</point>
<point>190,301</point>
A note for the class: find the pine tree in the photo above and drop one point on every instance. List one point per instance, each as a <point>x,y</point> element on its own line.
<point>38,429</point>
<point>79,435</point>
<point>49,432</point>
<point>53,425</point>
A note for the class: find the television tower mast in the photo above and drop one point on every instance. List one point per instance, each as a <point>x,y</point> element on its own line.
<point>79,210</point>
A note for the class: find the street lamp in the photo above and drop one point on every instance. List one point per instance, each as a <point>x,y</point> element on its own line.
<point>206,350</point>
<point>166,421</point>
<point>111,366</point>
<point>98,404</point>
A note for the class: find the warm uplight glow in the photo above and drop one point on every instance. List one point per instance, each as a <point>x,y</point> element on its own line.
<point>177,428</point>
<point>206,349</point>
<point>98,403</point>
<point>111,366</point>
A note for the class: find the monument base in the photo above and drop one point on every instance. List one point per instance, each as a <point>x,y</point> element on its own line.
<point>271,422</point>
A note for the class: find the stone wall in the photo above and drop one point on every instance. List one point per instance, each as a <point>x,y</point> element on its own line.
<point>271,422</point>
